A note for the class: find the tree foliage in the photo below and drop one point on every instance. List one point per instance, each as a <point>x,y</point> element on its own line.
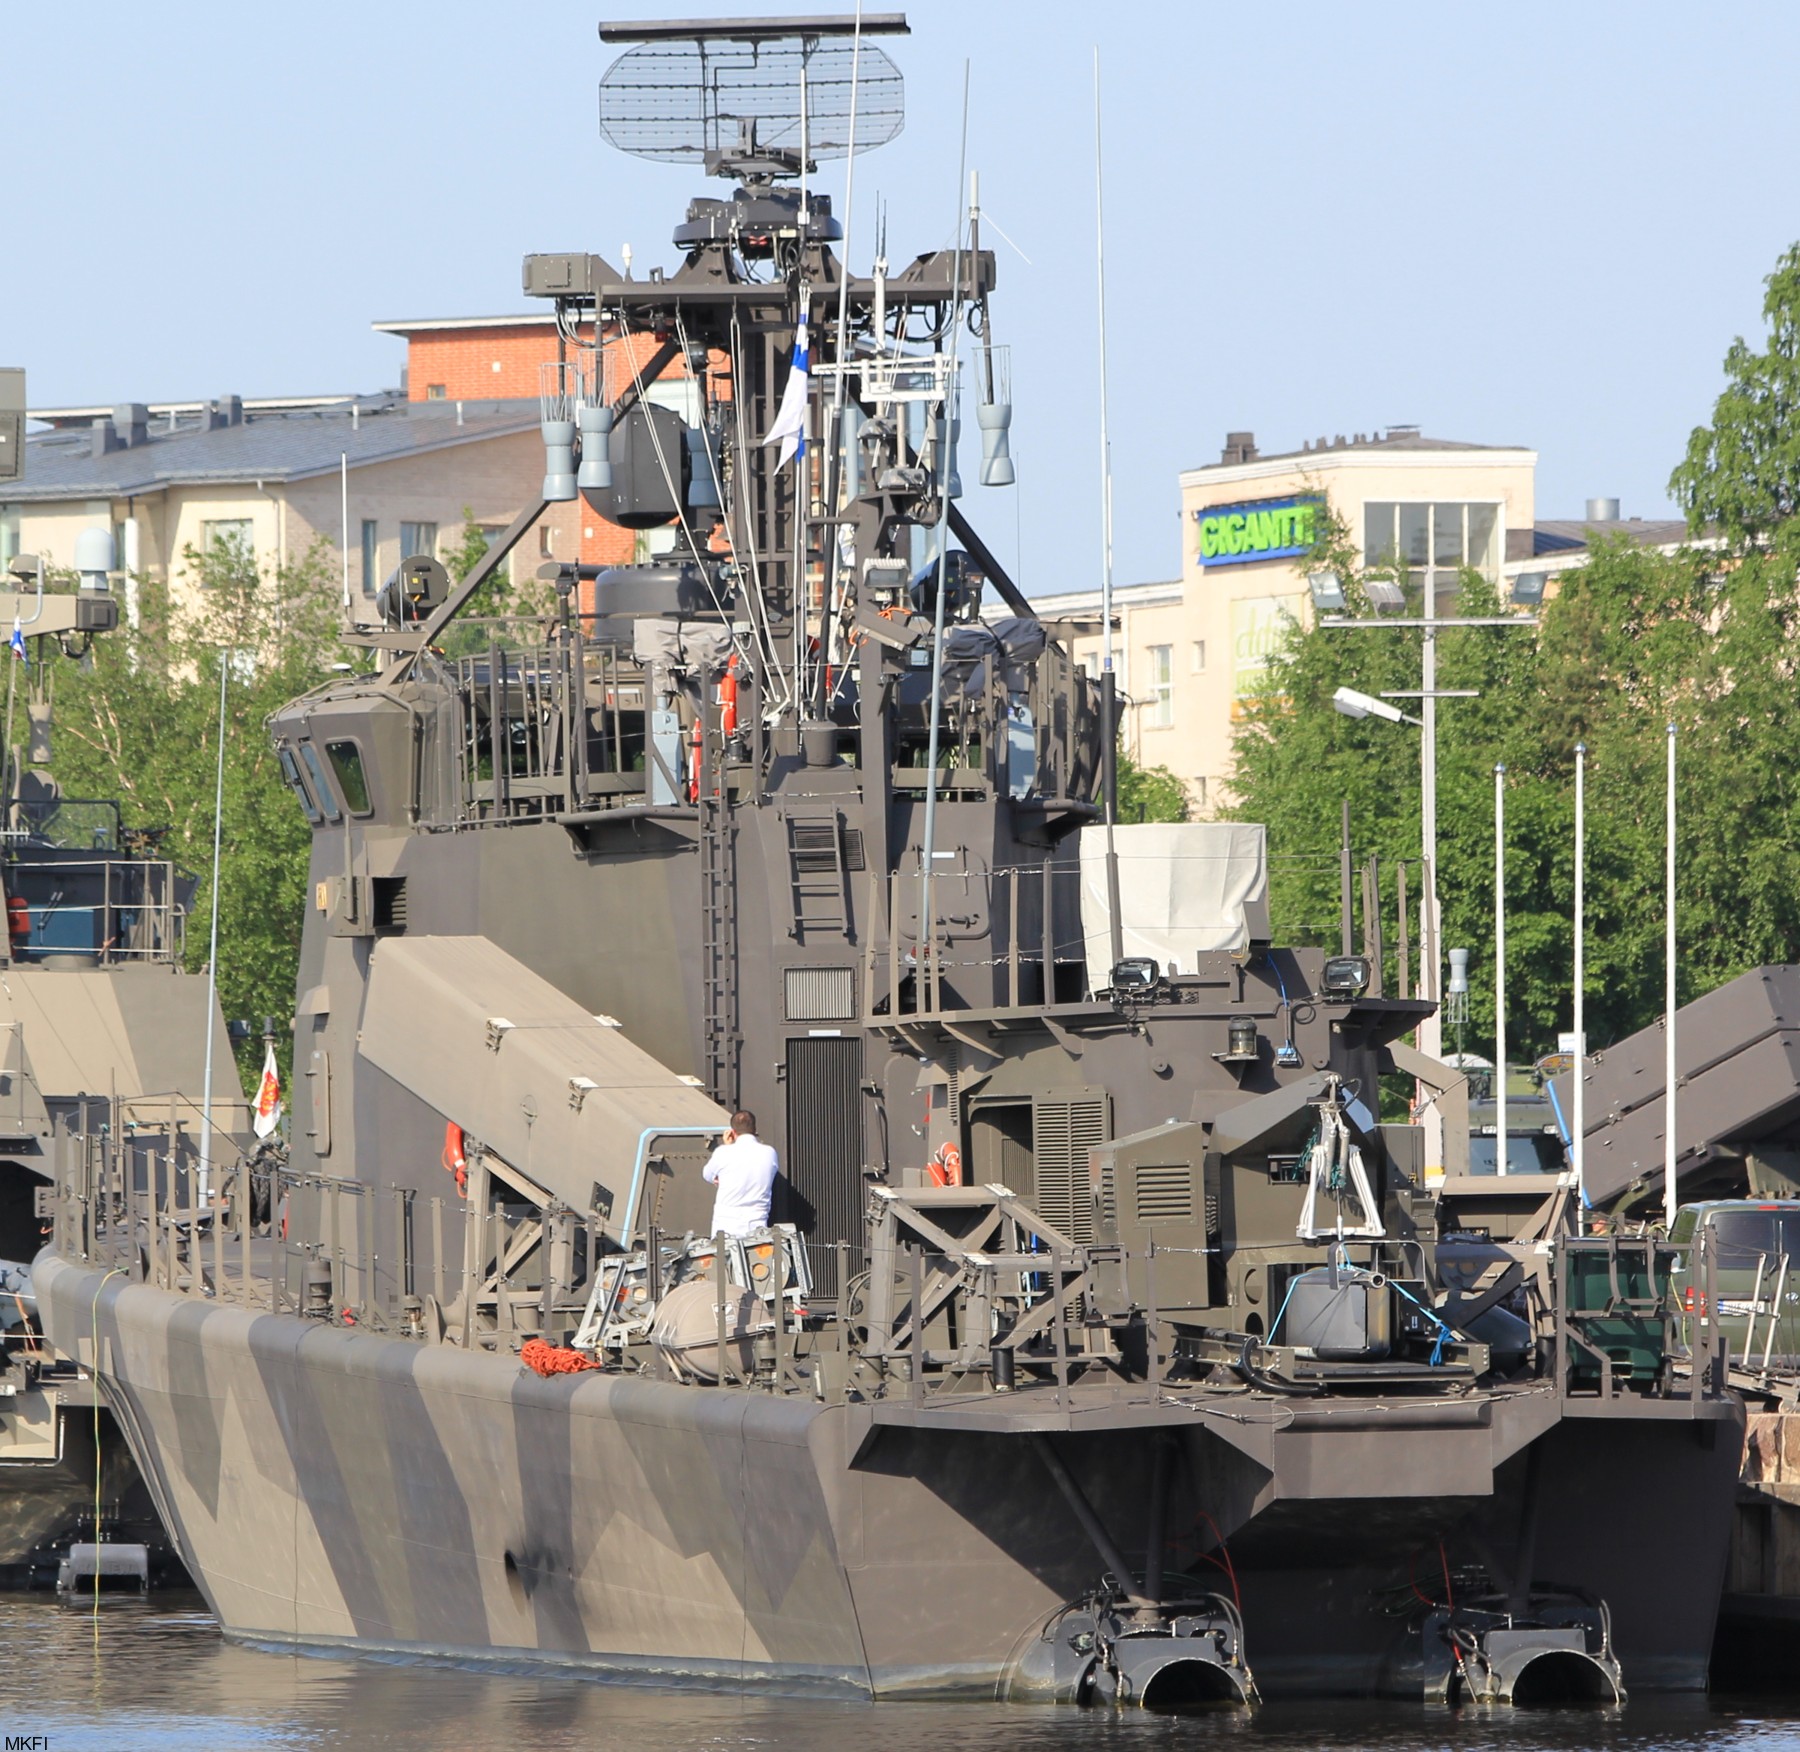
<point>498,597</point>
<point>1149,793</point>
<point>1742,472</point>
<point>138,719</point>
<point>1633,641</point>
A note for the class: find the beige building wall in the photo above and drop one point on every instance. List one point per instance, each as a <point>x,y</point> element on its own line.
<point>1190,654</point>
<point>492,478</point>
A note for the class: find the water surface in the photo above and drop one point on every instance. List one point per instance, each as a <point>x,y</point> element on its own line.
<point>149,1676</point>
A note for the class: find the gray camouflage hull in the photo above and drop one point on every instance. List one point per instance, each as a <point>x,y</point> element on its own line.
<point>330,1487</point>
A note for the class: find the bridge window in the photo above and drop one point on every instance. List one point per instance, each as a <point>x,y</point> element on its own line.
<point>290,770</point>
<point>347,763</point>
<point>321,789</point>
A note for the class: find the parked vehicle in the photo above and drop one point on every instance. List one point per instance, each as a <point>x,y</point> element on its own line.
<point>1755,1250</point>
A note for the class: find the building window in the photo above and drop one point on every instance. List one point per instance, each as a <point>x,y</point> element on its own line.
<point>546,537</point>
<point>1199,659</point>
<point>219,532</point>
<point>436,391</point>
<point>9,534</point>
<point>1441,537</point>
<point>418,538</point>
<point>1199,788</point>
<point>490,535</point>
<point>1160,708</point>
<point>371,556</point>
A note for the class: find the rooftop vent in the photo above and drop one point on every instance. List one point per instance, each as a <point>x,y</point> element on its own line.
<point>228,410</point>
<point>106,438</point>
<point>1239,447</point>
<point>131,424</point>
<point>1394,432</point>
<point>1603,511</point>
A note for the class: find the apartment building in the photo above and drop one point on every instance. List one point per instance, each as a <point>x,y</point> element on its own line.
<point>1192,652</point>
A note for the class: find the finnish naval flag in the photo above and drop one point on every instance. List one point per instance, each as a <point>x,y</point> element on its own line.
<point>789,430</point>
<point>268,1096</point>
<point>17,641</point>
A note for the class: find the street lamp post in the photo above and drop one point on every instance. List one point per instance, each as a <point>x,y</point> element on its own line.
<point>1360,705</point>
<point>1431,1038</point>
<point>1578,1146</point>
<point>1500,968</point>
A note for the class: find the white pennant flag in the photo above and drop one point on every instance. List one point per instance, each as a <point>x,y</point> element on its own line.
<point>268,1096</point>
<point>789,430</point>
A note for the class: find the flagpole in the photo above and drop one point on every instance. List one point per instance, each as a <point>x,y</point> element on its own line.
<point>12,685</point>
<point>212,956</point>
<point>1670,1147</point>
<point>1500,1138</point>
<point>924,980</point>
<point>1578,1144</point>
<point>1109,687</point>
<point>834,437</point>
<point>797,616</point>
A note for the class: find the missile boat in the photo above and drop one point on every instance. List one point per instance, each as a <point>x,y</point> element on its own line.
<point>1105,1344</point>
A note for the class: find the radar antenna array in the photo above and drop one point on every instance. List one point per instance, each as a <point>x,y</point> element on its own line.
<point>727,93</point>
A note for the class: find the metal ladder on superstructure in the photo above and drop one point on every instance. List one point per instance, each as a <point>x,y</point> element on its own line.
<point>817,874</point>
<point>718,907</point>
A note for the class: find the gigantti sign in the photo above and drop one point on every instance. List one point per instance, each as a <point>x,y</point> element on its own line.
<point>1260,529</point>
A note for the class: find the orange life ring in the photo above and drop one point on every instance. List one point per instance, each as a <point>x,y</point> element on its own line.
<point>453,1159</point>
<point>946,1166</point>
<point>18,917</point>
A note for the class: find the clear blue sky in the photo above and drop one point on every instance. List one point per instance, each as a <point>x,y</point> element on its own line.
<point>1535,224</point>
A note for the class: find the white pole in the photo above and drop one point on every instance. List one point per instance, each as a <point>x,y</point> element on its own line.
<point>1500,968</point>
<point>1431,1030</point>
<point>834,426</point>
<point>797,595</point>
<point>344,464</point>
<point>212,955</point>
<point>1669,1144</point>
<point>927,969</point>
<point>1106,545</point>
<point>1578,1122</point>
<point>1114,914</point>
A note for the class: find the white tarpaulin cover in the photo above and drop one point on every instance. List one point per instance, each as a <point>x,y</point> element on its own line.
<point>1184,887</point>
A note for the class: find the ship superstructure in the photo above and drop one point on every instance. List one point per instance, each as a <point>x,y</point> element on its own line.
<point>1105,1343</point>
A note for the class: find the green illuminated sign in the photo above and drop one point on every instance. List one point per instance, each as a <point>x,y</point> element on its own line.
<point>1262,529</point>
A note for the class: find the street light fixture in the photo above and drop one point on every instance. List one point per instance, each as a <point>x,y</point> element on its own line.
<point>1361,705</point>
<point>1385,596</point>
<point>1327,592</point>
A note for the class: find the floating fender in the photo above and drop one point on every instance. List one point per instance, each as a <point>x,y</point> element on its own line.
<point>686,1328</point>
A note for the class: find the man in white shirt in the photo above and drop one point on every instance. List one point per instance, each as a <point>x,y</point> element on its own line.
<point>743,1169</point>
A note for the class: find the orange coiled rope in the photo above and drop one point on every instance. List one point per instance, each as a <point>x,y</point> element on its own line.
<point>553,1359</point>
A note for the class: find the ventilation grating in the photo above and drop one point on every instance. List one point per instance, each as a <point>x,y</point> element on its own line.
<point>1165,1193</point>
<point>821,994</point>
<point>1063,1133</point>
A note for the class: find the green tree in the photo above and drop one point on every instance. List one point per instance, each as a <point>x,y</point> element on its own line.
<point>1633,641</point>
<point>1149,793</point>
<point>138,719</point>
<point>499,599</point>
<point>1742,472</point>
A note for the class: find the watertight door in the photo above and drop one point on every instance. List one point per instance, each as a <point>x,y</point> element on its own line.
<point>821,1192</point>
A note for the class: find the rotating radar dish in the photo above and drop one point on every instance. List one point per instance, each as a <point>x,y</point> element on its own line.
<point>751,98</point>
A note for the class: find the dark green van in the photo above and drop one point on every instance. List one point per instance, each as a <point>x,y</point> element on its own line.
<point>1755,1248</point>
